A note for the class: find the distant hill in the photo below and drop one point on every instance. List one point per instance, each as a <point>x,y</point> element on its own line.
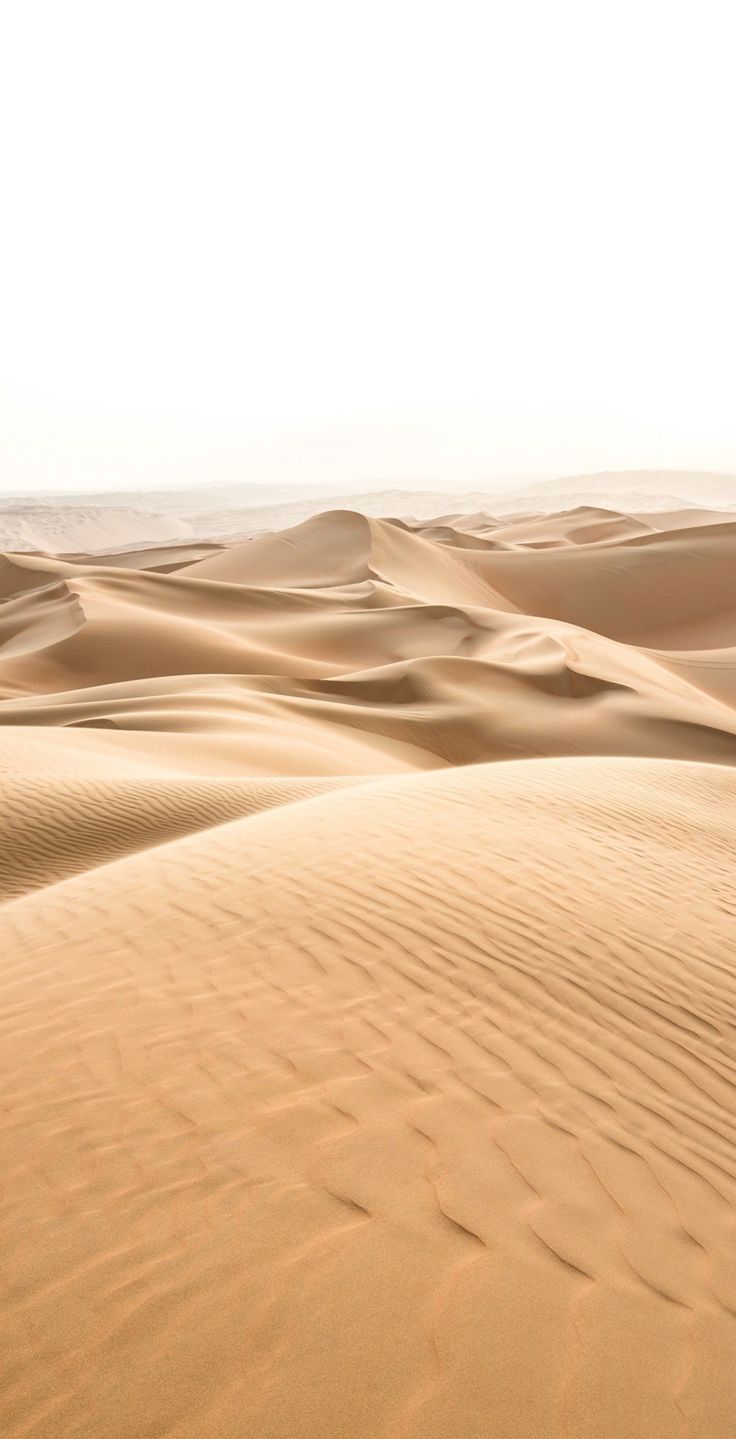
<point>126,520</point>
<point>64,529</point>
<point>628,490</point>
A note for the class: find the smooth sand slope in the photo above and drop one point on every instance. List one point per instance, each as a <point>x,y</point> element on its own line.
<point>369,995</point>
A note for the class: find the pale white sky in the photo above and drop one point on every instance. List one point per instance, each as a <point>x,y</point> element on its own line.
<point>310,241</point>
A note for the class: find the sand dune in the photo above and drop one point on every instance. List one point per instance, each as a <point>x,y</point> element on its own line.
<point>38,526</point>
<point>367,914</point>
<point>640,489</point>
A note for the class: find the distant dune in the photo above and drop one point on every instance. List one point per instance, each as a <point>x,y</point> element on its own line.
<point>634,489</point>
<point>104,521</point>
<point>367,917</point>
<point>84,527</point>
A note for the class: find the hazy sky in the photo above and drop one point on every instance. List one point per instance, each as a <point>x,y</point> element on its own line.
<point>314,241</point>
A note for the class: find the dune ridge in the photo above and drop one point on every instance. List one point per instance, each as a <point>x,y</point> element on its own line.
<point>367,911</point>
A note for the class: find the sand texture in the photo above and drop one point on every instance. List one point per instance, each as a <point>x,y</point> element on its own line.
<point>367,921</point>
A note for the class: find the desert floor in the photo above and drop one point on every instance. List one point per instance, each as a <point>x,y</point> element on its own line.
<point>369,983</point>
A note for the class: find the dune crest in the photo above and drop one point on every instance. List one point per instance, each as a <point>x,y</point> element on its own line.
<point>367,916</point>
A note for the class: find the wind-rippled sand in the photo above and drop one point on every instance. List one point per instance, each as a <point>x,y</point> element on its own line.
<point>368,984</point>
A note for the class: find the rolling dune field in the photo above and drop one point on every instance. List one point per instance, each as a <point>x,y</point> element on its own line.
<point>367,919</point>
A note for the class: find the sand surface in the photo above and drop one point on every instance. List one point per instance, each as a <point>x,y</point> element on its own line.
<point>369,995</point>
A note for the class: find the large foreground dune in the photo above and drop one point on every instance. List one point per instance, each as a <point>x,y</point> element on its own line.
<point>368,980</point>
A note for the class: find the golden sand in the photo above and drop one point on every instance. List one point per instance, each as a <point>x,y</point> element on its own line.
<point>369,993</point>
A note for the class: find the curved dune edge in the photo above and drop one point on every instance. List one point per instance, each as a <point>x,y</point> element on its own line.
<point>409,1115</point>
<point>51,830</point>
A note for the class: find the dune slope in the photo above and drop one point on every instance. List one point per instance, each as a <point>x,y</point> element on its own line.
<point>366,920</point>
<point>414,1101</point>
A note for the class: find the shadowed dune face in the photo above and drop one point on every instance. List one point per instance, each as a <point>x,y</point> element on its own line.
<point>367,916</point>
